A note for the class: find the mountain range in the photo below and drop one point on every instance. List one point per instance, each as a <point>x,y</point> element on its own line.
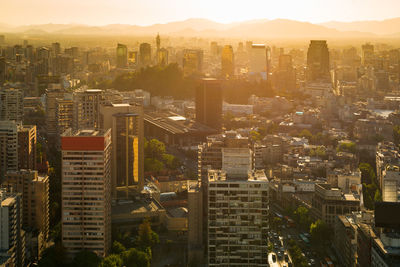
<point>277,28</point>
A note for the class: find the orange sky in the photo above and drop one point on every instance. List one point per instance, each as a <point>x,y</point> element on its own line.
<point>145,12</point>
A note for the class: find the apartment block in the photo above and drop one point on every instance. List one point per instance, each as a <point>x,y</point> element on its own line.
<point>8,147</point>
<point>86,191</point>
<point>11,104</point>
<point>27,147</point>
<point>237,219</point>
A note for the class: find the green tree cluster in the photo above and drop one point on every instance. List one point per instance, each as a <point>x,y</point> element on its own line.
<point>156,158</point>
<point>302,216</point>
<point>320,233</point>
<point>371,192</point>
<point>349,147</point>
<point>296,254</point>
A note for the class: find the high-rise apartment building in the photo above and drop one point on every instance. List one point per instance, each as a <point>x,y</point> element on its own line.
<point>11,104</point>
<point>122,56</point>
<point>86,191</point>
<point>318,61</point>
<point>12,237</point>
<point>192,62</point>
<point>34,190</point>
<point>126,124</point>
<point>260,60</point>
<point>8,147</point>
<point>65,114</point>
<point>195,221</point>
<point>52,94</point>
<point>87,106</point>
<point>237,225</point>
<point>145,54</point>
<point>367,54</point>
<point>27,147</point>
<point>227,61</point>
<point>209,103</point>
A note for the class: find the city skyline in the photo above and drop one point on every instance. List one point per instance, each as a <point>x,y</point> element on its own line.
<point>156,11</point>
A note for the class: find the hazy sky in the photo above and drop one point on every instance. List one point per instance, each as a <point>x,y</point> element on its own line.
<point>146,12</point>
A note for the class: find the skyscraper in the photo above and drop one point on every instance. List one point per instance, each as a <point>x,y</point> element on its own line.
<point>122,56</point>
<point>86,191</point>
<point>87,105</point>
<point>209,103</point>
<point>52,94</point>
<point>227,61</point>
<point>11,104</point>
<point>367,54</point>
<point>192,62</point>
<point>162,57</point>
<point>318,61</point>
<point>145,54</point>
<point>126,123</point>
<point>27,147</point>
<point>260,60</point>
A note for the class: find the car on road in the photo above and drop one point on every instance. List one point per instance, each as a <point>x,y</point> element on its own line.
<point>286,257</point>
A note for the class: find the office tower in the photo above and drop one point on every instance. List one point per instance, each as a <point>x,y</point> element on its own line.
<point>8,147</point>
<point>2,39</point>
<point>249,46</point>
<point>86,191</point>
<point>127,132</point>
<point>65,114</point>
<point>227,61</point>
<point>52,94</point>
<point>209,103</point>
<point>162,57</point>
<point>44,82</point>
<point>55,49</point>
<point>367,54</point>
<point>192,62</point>
<point>87,106</point>
<point>12,237</point>
<point>158,42</point>
<point>237,225</point>
<point>285,75</point>
<point>318,61</point>
<point>11,104</point>
<point>122,56</point>
<point>27,147</point>
<point>195,222</point>
<point>258,59</point>
<point>145,54</point>
<point>214,49</point>
<point>34,190</point>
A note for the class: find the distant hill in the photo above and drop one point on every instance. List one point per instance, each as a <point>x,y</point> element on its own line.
<point>262,28</point>
<point>382,27</point>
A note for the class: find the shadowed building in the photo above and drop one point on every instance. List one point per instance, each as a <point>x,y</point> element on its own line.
<point>209,103</point>
<point>318,61</point>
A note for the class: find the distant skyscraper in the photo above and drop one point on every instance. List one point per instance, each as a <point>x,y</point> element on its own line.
<point>367,56</point>
<point>158,42</point>
<point>259,60</point>
<point>162,57</point>
<point>86,191</point>
<point>3,70</point>
<point>227,61</point>
<point>145,54</point>
<point>192,62</point>
<point>52,94</point>
<point>214,49</point>
<point>318,61</point>
<point>55,49</point>
<point>209,103</point>
<point>284,78</point>
<point>122,56</point>
<point>11,104</point>
<point>27,147</point>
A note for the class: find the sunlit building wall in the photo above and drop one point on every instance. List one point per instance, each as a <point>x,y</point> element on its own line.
<point>122,56</point>
<point>192,62</point>
<point>318,61</point>
<point>227,61</point>
<point>145,54</point>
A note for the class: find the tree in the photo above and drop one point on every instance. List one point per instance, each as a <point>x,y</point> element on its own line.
<point>320,232</point>
<point>146,236</point>
<point>86,258</point>
<point>117,248</point>
<point>306,134</point>
<point>396,134</point>
<point>113,260</point>
<point>154,149</point>
<point>367,174</point>
<point>135,258</point>
<point>255,136</point>
<point>349,147</point>
<point>53,256</point>
<point>302,217</point>
<point>153,165</point>
<point>171,162</point>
